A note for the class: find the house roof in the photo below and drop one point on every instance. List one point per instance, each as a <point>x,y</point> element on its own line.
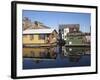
<point>62,26</point>
<point>38,31</point>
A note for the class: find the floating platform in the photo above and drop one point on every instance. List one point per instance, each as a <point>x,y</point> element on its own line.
<point>77,45</point>
<point>39,45</point>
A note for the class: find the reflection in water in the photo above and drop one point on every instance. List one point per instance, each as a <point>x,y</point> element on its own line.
<point>52,57</point>
<point>40,53</point>
<point>75,53</point>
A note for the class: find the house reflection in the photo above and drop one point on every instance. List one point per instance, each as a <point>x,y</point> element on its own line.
<point>40,53</point>
<point>55,54</point>
<point>74,54</point>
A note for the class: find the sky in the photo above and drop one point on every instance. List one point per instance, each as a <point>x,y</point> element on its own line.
<point>53,19</point>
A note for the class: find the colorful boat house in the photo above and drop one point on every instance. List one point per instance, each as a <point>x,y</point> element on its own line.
<point>75,38</point>
<point>39,36</point>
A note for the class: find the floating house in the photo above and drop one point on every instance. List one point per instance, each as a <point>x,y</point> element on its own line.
<point>39,36</point>
<point>76,38</point>
<point>72,35</point>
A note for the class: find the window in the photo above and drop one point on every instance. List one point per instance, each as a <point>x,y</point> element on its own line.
<point>71,38</point>
<point>47,35</point>
<point>70,42</point>
<point>25,36</point>
<point>53,35</point>
<point>31,37</point>
<point>32,53</point>
<point>64,31</point>
<point>41,36</point>
<point>80,37</point>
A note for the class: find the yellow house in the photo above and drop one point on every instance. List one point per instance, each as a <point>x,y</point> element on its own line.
<point>39,36</point>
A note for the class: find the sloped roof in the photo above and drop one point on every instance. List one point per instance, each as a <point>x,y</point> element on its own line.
<point>38,31</point>
<point>62,26</point>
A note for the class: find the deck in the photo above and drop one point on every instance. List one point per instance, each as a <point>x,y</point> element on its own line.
<point>39,45</point>
<point>77,45</point>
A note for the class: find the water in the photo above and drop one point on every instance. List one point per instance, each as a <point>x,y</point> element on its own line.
<point>55,57</point>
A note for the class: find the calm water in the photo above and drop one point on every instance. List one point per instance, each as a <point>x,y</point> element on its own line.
<point>54,57</point>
